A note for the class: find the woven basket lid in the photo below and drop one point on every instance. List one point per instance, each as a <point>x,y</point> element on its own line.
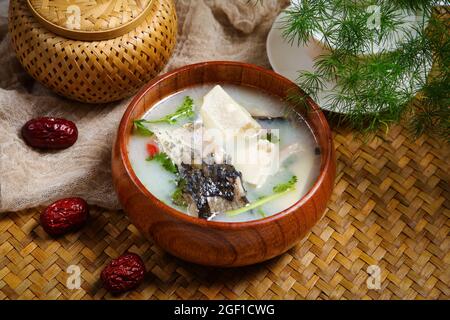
<point>90,20</point>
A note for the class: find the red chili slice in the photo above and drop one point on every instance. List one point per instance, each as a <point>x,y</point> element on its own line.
<point>152,149</point>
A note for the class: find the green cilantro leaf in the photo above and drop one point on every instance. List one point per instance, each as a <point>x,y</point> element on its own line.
<point>286,186</point>
<point>186,110</point>
<point>141,128</point>
<point>165,161</point>
<point>279,191</point>
<point>177,197</point>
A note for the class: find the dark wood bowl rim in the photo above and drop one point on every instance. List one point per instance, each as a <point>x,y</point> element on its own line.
<point>123,143</point>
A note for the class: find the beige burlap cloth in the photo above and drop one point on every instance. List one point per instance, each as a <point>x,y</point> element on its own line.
<point>208,30</point>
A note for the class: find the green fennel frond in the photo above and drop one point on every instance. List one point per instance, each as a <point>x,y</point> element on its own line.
<point>375,90</point>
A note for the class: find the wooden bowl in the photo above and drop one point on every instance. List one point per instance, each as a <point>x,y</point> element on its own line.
<point>218,243</point>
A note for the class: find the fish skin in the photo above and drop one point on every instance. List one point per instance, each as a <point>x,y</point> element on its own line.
<point>213,188</point>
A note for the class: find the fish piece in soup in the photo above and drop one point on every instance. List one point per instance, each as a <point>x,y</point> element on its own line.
<point>238,133</point>
<point>212,188</point>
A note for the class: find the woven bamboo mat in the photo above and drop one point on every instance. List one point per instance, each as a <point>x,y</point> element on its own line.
<point>390,208</point>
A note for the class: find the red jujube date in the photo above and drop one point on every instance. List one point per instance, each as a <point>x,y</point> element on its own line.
<point>124,273</point>
<point>64,216</point>
<point>50,133</point>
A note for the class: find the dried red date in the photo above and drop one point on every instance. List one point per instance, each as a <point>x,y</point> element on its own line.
<point>50,133</point>
<point>64,215</point>
<point>124,273</point>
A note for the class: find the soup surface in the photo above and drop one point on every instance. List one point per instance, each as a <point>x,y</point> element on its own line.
<point>282,185</point>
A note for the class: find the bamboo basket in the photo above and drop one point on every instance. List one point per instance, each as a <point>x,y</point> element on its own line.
<point>93,51</point>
